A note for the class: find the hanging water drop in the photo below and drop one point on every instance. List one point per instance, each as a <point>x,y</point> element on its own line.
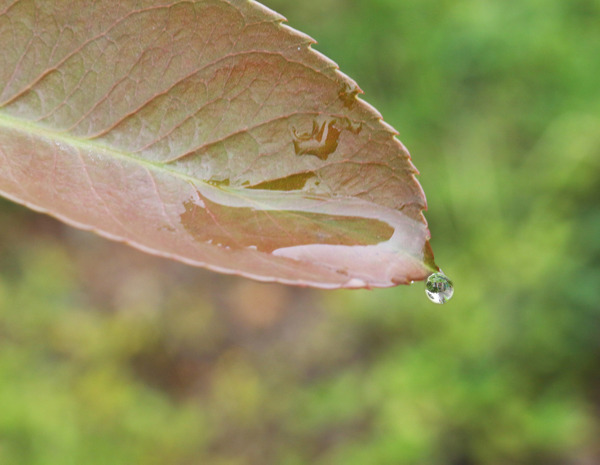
<point>439,288</point>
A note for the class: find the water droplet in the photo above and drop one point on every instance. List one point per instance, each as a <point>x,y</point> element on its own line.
<point>439,288</point>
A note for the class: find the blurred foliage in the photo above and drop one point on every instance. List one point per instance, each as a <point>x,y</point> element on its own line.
<point>109,356</point>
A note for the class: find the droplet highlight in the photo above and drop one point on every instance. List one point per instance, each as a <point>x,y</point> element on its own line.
<point>439,288</point>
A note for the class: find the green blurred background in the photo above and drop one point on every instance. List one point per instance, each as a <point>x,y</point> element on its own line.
<point>109,356</point>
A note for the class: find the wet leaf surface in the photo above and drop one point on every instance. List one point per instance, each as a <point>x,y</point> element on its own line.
<point>208,132</point>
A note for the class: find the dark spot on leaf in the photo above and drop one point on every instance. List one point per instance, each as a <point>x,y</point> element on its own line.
<point>209,222</point>
<point>219,183</point>
<point>321,142</point>
<point>289,183</point>
<point>347,95</point>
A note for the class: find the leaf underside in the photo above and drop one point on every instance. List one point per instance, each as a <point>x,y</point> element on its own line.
<point>209,132</point>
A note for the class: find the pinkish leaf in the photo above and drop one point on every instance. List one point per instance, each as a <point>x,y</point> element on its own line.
<point>208,132</point>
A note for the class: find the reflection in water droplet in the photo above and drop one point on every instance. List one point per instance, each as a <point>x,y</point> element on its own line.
<point>439,288</point>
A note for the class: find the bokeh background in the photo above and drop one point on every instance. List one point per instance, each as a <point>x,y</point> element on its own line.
<point>110,356</point>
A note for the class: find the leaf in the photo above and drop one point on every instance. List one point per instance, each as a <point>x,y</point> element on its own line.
<point>209,132</point>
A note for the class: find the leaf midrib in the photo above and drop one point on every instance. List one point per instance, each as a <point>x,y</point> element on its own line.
<point>40,132</point>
